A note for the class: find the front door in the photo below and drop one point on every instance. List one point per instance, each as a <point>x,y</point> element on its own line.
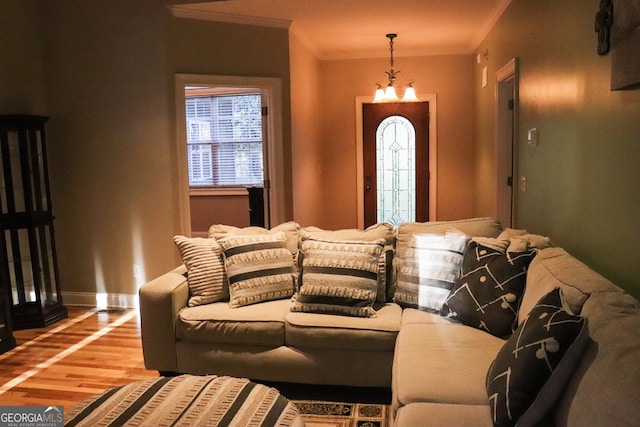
<point>395,162</point>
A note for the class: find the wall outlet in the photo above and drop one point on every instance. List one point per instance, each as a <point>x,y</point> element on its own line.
<point>523,184</point>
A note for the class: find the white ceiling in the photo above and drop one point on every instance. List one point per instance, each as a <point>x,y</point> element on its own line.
<point>341,29</point>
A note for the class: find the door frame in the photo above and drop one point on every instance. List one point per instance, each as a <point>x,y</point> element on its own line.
<point>271,89</point>
<point>433,163</point>
<point>506,140</point>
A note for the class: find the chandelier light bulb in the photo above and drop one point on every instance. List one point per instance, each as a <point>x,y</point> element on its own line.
<point>409,95</point>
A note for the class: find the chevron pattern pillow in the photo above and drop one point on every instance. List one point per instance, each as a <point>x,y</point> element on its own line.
<point>259,267</point>
<point>205,269</point>
<point>535,363</point>
<point>488,293</point>
<point>339,277</point>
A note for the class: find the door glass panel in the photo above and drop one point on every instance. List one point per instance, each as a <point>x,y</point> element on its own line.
<point>396,170</point>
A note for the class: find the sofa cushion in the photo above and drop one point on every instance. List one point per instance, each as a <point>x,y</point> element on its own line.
<point>259,267</point>
<point>382,230</point>
<point>339,277</point>
<point>443,414</point>
<point>442,364</point>
<point>604,389</point>
<point>514,240</point>
<point>535,364</point>
<point>205,269</point>
<point>485,227</point>
<point>431,264</point>
<point>488,293</point>
<point>412,315</point>
<point>325,331</point>
<point>556,268</point>
<point>259,324</point>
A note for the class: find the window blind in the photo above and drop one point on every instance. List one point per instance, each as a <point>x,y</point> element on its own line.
<point>224,140</point>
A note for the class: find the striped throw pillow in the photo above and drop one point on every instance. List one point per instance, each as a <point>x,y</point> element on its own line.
<point>259,267</point>
<point>339,277</point>
<point>429,268</point>
<point>381,230</point>
<point>205,269</point>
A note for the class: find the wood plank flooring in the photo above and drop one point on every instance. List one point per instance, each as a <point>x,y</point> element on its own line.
<point>75,358</point>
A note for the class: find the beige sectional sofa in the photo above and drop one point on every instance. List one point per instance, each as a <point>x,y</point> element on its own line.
<point>436,366</point>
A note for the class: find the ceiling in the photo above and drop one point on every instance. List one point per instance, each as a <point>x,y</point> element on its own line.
<point>345,29</point>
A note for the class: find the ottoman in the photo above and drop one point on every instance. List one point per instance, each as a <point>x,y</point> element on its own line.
<point>187,400</point>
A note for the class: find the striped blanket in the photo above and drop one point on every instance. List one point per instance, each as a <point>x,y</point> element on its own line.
<point>187,400</point>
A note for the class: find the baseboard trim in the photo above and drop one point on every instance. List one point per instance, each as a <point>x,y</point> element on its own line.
<point>101,300</point>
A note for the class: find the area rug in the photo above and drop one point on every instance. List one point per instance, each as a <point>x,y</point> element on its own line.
<point>332,414</point>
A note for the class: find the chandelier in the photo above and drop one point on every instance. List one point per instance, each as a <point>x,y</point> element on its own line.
<point>388,94</point>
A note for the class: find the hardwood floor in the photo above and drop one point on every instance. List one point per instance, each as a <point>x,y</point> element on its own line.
<point>64,363</point>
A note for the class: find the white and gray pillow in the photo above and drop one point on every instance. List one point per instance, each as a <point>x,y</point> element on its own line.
<point>381,230</point>
<point>428,270</point>
<point>339,277</point>
<point>205,269</point>
<point>259,267</point>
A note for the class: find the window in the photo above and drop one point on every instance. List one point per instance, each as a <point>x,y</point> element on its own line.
<point>224,140</point>
<point>396,170</point>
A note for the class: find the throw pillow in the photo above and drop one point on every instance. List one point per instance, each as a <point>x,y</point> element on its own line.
<point>535,363</point>
<point>429,269</point>
<point>339,277</point>
<point>381,230</point>
<point>259,267</point>
<point>488,293</point>
<point>205,269</point>
<point>290,229</point>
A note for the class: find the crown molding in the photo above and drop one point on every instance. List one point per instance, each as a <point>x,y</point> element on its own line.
<point>488,24</point>
<point>190,13</point>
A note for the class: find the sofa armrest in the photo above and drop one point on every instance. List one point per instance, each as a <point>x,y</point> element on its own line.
<point>160,301</point>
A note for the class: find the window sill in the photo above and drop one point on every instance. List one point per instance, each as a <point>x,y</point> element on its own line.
<point>204,192</point>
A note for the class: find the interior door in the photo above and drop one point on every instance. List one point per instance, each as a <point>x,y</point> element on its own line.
<point>395,162</point>
<point>506,146</point>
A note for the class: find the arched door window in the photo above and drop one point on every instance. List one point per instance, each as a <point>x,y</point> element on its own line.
<point>396,170</point>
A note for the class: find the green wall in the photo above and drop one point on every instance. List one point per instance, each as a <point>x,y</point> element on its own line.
<point>583,175</point>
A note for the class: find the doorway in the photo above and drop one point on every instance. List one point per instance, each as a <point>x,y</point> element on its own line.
<point>270,91</point>
<point>506,147</point>
<point>395,154</point>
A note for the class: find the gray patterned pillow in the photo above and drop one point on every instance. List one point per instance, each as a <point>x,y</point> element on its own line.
<point>431,264</point>
<point>259,267</point>
<point>205,269</point>
<point>534,365</point>
<point>381,230</point>
<point>339,277</point>
<point>488,293</point>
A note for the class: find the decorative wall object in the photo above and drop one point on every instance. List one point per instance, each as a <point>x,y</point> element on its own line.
<point>604,20</point>
<point>625,43</point>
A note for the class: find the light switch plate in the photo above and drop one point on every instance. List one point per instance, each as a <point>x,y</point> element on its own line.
<point>532,136</point>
